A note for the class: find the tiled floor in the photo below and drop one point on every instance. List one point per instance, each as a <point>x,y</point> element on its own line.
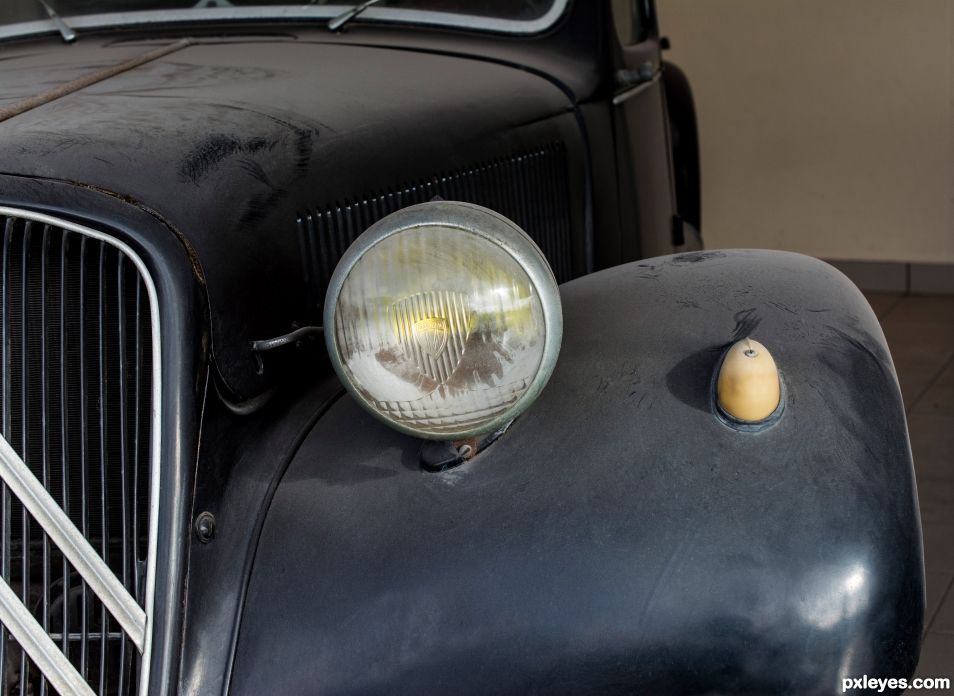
<point>920,333</point>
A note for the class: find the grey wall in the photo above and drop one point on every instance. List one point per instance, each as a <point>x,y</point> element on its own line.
<point>826,125</point>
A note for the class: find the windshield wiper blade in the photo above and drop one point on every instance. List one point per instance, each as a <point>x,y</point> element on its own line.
<point>338,22</point>
<point>69,36</point>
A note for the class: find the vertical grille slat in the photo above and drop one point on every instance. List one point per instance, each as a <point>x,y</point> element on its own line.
<point>102,409</point>
<point>25,539</point>
<point>76,405</point>
<point>44,425</point>
<point>121,407</point>
<point>531,188</point>
<point>64,448</point>
<point>137,589</point>
<point>6,504</point>
<point>84,453</point>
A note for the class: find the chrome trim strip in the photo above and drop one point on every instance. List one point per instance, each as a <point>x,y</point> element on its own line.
<point>631,92</point>
<point>30,636</point>
<point>461,21</point>
<point>28,489</point>
<point>293,13</point>
<point>154,479</point>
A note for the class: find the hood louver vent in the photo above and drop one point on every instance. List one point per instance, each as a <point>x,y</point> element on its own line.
<point>530,188</point>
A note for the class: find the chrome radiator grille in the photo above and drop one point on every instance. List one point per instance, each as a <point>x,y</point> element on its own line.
<point>530,188</point>
<point>76,405</point>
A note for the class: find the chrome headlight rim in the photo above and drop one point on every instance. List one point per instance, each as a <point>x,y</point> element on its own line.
<point>491,227</point>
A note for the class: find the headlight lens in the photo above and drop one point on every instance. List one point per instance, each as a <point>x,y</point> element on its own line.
<point>444,320</point>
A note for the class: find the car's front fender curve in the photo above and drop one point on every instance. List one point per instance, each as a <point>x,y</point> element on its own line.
<point>620,537</point>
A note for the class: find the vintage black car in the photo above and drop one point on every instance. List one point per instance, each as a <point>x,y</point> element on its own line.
<point>292,404</point>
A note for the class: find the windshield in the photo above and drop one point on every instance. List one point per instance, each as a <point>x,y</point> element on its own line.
<point>512,16</point>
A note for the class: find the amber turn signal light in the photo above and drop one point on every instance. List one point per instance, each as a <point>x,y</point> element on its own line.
<point>748,388</point>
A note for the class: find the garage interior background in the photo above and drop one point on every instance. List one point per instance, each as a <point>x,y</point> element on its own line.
<point>826,128</point>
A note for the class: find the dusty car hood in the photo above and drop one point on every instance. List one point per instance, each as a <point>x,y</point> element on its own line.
<point>227,139</point>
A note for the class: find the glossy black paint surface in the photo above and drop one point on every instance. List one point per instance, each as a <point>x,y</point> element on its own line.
<point>619,537</point>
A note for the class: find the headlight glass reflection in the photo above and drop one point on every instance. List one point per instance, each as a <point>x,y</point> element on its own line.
<point>446,330</point>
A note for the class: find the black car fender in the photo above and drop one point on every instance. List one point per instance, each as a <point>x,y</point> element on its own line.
<point>620,537</point>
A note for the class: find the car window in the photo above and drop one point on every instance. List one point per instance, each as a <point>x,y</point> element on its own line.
<point>633,20</point>
<point>13,11</point>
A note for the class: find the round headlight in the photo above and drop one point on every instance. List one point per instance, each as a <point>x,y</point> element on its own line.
<point>443,319</point>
